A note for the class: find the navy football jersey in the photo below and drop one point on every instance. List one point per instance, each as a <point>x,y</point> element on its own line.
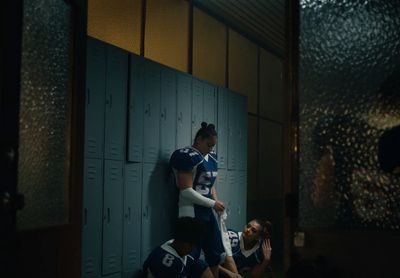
<point>244,258</point>
<point>204,170</point>
<point>164,261</point>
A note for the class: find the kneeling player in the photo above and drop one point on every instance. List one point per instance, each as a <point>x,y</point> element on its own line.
<point>178,257</point>
<point>251,249</point>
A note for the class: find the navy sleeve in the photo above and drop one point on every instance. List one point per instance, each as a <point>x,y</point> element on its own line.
<point>162,264</point>
<point>184,160</point>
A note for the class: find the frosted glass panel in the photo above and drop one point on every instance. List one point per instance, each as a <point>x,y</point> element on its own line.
<point>349,94</point>
<point>44,113</point>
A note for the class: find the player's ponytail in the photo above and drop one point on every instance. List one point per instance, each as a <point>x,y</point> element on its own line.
<point>265,228</point>
<point>206,131</point>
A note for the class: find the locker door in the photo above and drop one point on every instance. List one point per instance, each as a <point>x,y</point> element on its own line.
<point>222,185</point>
<point>92,205</point>
<point>209,109</point>
<point>159,202</point>
<point>135,117</point>
<point>232,131</point>
<point>197,106</point>
<point>112,216</point>
<point>241,198</point>
<point>231,199</point>
<point>242,132</point>
<point>184,111</point>
<point>150,220</point>
<point>116,92</point>
<point>168,114</point>
<point>132,218</point>
<point>95,98</point>
<point>222,146</point>
<point>151,113</point>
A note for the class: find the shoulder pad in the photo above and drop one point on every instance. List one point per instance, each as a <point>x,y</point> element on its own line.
<point>185,159</point>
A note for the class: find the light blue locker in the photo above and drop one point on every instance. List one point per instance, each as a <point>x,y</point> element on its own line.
<point>242,132</point>
<point>132,218</point>
<point>115,275</point>
<point>168,114</point>
<point>210,104</point>
<point>241,198</point>
<point>197,106</point>
<point>136,104</point>
<point>95,98</point>
<point>184,111</point>
<point>112,216</point>
<point>222,186</point>
<point>92,218</point>
<point>231,199</point>
<point>233,136</point>
<point>116,92</point>
<point>151,150</point>
<point>222,112</point>
<point>159,204</point>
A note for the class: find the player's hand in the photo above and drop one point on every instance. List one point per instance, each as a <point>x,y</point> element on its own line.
<point>235,275</point>
<point>219,206</point>
<point>266,249</point>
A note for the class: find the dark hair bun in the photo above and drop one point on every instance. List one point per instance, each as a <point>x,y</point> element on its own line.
<point>204,125</point>
<point>211,127</point>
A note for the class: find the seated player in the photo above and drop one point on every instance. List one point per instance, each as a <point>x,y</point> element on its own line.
<point>251,249</point>
<point>178,257</point>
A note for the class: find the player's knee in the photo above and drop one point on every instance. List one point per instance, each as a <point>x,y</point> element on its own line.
<point>215,259</point>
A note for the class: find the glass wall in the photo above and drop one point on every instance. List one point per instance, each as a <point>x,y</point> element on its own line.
<point>349,95</point>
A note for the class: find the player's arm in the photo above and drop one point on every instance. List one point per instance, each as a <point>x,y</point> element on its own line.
<point>227,272</point>
<point>214,192</point>
<point>185,185</point>
<point>258,270</point>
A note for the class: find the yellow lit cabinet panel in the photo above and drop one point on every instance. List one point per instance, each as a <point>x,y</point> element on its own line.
<point>209,48</point>
<point>166,33</point>
<point>243,68</point>
<point>116,22</point>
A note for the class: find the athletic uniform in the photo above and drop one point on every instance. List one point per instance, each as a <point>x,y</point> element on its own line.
<point>244,258</point>
<point>204,172</point>
<point>164,261</point>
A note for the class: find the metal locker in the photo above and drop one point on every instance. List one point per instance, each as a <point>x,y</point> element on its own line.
<point>132,217</point>
<point>241,198</point>
<point>232,198</point>
<point>197,106</point>
<point>151,128</point>
<point>168,113</point>
<point>232,131</point>
<point>209,109</point>
<point>222,113</point>
<point>135,112</point>
<point>95,98</point>
<point>92,217</point>
<point>112,216</point>
<point>116,92</point>
<point>242,132</point>
<point>184,111</point>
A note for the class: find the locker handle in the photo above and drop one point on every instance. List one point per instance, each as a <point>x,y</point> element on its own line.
<point>146,212</point>
<point>85,216</point>
<point>88,96</point>
<point>180,117</point>
<point>129,213</point>
<point>164,114</point>
<point>148,111</point>
<point>108,215</point>
<point>110,101</point>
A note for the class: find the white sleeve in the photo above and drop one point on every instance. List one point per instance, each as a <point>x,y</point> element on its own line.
<point>196,198</point>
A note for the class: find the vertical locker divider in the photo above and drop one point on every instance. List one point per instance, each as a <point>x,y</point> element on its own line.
<point>197,106</point>
<point>135,111</point>
<point>116,95</point>
<point>151,128</point>
<point>184,111</point>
